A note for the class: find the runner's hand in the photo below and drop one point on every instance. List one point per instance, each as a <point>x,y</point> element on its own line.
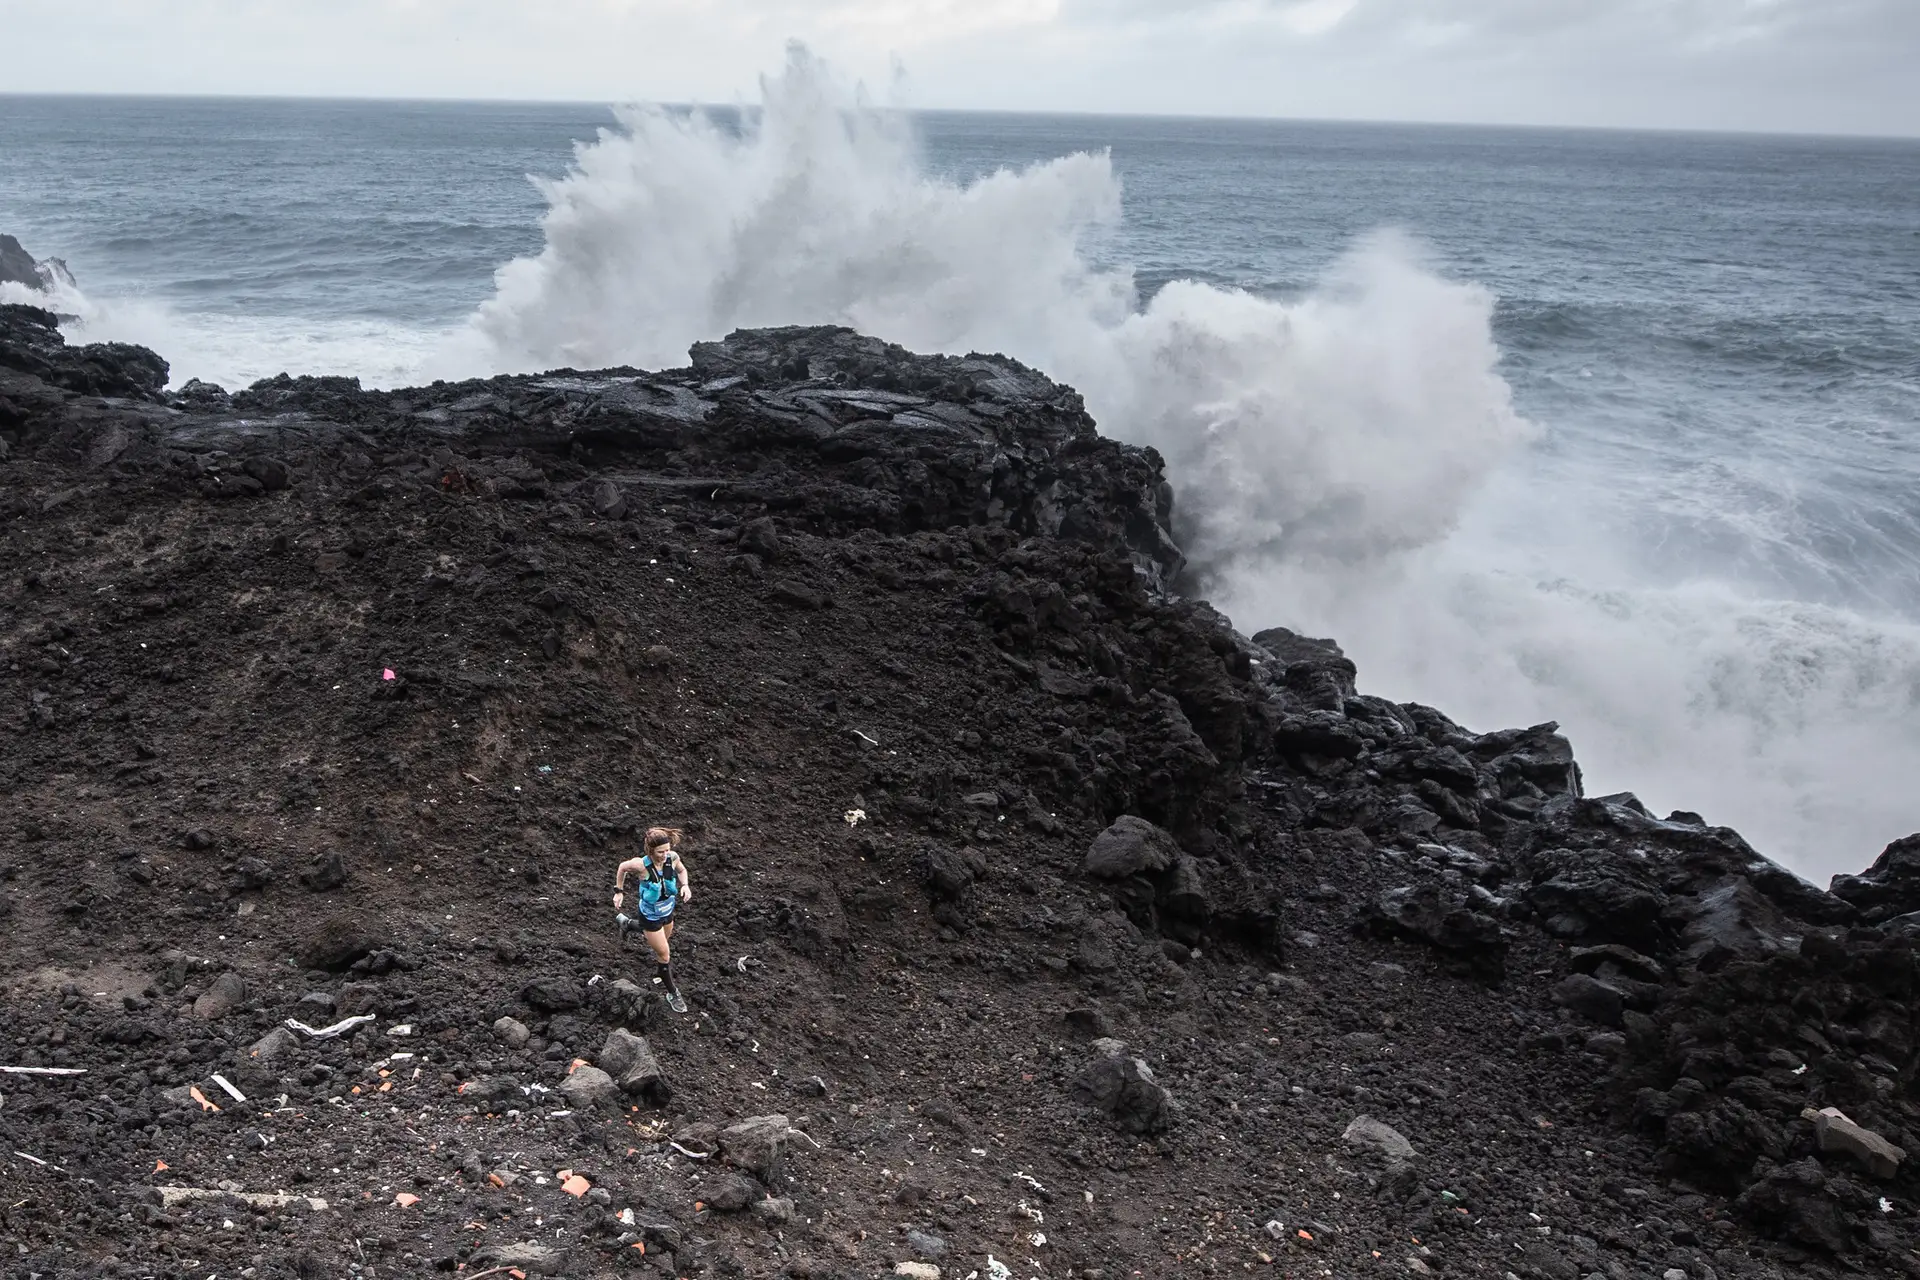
<point>617,896</point>
<point>686,894</point>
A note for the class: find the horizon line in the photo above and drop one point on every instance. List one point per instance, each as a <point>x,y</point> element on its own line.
<point>1222,117</point>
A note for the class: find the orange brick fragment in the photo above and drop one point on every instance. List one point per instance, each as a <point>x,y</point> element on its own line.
<point>406,1199</point>
<point>576,1186</point>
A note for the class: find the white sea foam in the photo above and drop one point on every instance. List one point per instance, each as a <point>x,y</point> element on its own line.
<point>236,350</point>
<point>1349,462</point>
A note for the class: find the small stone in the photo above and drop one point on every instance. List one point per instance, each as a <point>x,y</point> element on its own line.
<point>272,1045</point>
<point>797,596</point>
<point>755,1144</point>
<point>589,1087</point>
<point>760,537</point>
<point>527,1256</point>
<point>774,1209</point>
<point>1366,1131</point>
<point>917,1270</point>
<point>608,503</point>
<point>926,1245</point>
<point>223,997</point>
<point>733,1195</point>
<point>494,1091</point>
<point>1673,1273</point>
<point>512,1032</point>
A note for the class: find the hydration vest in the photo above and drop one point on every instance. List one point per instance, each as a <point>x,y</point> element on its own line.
<point>659,887</point>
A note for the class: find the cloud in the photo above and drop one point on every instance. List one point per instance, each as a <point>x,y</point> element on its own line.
<point>1807,65</point>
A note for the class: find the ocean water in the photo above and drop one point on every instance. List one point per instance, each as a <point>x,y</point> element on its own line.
<point>1616,429</point>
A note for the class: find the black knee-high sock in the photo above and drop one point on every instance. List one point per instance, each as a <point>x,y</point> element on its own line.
<point>665,974</point>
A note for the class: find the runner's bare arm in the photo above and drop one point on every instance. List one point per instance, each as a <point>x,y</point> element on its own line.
<point>686,882</point>
<point>620,874</point>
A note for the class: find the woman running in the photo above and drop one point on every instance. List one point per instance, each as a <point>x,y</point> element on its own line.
<point>663,886</point>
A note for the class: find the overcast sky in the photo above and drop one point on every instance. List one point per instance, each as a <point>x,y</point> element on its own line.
<point>1842,66</point>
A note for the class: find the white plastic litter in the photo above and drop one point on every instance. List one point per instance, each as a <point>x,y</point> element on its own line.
<point>328,1033</point>
<point>226,1084</point>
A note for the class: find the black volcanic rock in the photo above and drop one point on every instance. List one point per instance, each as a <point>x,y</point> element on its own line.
<point>17,266</point>
<point>30,343</point>
<point>1891,886</point>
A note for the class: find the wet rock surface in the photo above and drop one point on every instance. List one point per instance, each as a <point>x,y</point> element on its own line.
<point>1041,913</point>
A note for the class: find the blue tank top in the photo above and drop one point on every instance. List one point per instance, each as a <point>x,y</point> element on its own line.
<point>659,888</point>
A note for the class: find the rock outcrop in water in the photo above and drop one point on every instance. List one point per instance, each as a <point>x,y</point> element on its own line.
<point>1042,914</point>
<point>17,266</point>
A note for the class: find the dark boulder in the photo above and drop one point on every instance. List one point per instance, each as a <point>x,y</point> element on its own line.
<point>1123,1087</point>
<point>1537,756</point>
<point>1794,1202</point>
<point>340,941</point>
<point>329,871</point>
<point>1318,733</point>
<point>760,537</point>
<point>733,1194</point>
<point>1719,1145</point>
<point>1590,998</point>
<point>31,342</point>
<point>553,994</point>
<point>1315,673</point>
<point>494,1091</point>
<point>1430,914</point>
<point>949,874</point>
<point>1891,886</point>
<point>1600,899</point>
<point>1591,960</point>
<point>1732,921</point>
<point>1131,846</point>
<point>1184,894</point>
<point>17,266</point>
